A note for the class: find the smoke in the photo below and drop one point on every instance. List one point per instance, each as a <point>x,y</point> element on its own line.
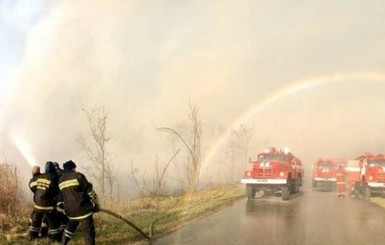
<point>143,61</point>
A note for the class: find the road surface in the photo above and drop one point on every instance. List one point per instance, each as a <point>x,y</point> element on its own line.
<point>310,217</point>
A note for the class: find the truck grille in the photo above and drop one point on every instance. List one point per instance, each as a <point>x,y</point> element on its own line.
<point>265,172</point>
<point>381,177</point>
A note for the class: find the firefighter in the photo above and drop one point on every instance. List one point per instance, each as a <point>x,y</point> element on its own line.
<point>35,174</point>
<point>45,190</point>
<point>341,176</point>
<point>80,202</point>
<point>62,217</point>
<point>59,171</point>
<point>44,226</point>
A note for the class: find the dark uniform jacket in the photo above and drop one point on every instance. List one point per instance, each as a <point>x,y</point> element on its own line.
<point>45,189</point>
<point>77,194</point>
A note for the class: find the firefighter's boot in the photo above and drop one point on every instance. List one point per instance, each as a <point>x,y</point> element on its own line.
<point>65,240</point>
<point>55,235</point>
<point>44,230</point>
<point>32,235</point>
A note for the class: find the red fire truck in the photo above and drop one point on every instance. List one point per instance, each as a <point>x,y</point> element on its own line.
<point>324,173</point>
<point>274,171</point>
<point>372,175</point>
<point>353,171</point>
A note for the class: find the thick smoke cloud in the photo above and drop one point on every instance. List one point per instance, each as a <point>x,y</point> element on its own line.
<point>143,61</point>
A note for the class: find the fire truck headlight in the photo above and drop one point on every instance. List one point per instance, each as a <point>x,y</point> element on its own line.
<point>370,177</point>
<point>248,174</point>
<point>282,174</point>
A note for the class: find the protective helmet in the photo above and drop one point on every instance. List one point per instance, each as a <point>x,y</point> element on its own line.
<point>69,165</point>
<point>49,167</point>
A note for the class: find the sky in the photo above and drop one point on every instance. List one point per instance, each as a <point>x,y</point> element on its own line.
<point>144,60</point>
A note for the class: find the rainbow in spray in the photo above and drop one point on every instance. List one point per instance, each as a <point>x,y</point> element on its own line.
<point>283,93</point>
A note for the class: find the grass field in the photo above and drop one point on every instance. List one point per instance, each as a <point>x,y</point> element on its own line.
<point>165,214</point>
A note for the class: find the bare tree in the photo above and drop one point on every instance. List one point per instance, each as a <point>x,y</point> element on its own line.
<point>154,184</point>
<point>134,172</point>
<point>233,153</point>
<point>237,150</point>
<point>161,173</point>
<point>192,142</point>
<point>96,149</point>
<point>246,135</point>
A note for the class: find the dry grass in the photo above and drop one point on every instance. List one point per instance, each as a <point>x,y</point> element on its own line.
<point>171,212</point>
<point>10,191</point>
<point>380,201</point>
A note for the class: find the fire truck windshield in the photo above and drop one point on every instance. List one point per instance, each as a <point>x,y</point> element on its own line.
<point>272,157</point>
<point>325,165</point>
<point>379,163</point>
<point>341,163</point>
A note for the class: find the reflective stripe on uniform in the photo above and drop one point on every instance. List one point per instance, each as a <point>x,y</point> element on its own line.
<point>44,208</point>
<point>54,231</point>
<point>81,217</point>
<point>68,183</point>
<point>44,181</point>
<point>33,184</point>
<point>43,184</point>
<point>68,234</point>
<point>92,195</point>
<point>34,229</point>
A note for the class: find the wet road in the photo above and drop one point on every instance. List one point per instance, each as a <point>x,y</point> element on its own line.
<point>311,217</point>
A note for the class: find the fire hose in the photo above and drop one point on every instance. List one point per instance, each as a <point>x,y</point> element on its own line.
<point>148,237</point>
<point>126,221</point>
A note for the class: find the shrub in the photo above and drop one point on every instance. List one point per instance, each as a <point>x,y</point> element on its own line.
<point>10,190</point>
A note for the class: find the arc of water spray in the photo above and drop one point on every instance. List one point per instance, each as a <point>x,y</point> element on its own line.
<point>24,148</point>
<point>282,93</point>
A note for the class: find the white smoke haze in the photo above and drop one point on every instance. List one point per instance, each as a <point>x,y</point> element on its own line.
<point>144,61</point>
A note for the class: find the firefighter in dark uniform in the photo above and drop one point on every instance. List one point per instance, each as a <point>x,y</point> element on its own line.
<point>59,171</point>
<point>62,217</point>
<point>80,202</point>
<point>45,189</point>
<point>35,231</point>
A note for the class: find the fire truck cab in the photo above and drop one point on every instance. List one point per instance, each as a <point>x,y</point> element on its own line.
<point>372,175</point>
<point>274,171</point>
<point>324,173</point>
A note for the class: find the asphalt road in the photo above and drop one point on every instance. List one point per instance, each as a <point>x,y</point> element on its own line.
<point>310,217</point>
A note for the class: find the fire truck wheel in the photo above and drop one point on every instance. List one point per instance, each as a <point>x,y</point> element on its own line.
<point>297,184</point>
<point>294,186</point>
<point>300,180</point>
<point>368,193</point>
<point>314,184</point>
<point>259,193</point>
<point>250,192</point>
<point>333,186</point>
<point>285,193</point>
